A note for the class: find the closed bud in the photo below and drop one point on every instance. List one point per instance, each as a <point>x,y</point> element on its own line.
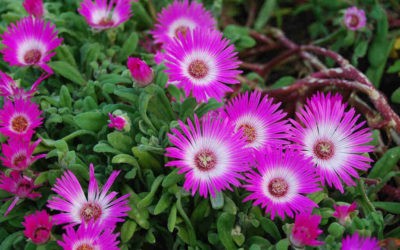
<point>140,71</point>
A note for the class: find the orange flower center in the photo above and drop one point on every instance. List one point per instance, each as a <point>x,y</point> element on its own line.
<point>205,160</point>
<point>278,187</point>
<point>249,132</point>
<point>106,21</point>
<point>181,30</point>
<point>198,69</point>
<point>32,56</point>
<point>19,124</point>
<point>85,246</point>
<point>91,211</point>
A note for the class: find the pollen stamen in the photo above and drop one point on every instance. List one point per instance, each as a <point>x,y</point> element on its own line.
<point>19,124</point>
<point>85,246</point>
<point>91,211</point>
<point>205,160</point>
<point>181,30</point>
<point>198,69</point>
<point>249,132</point>
<point>324,149</point>
<point>32,56</point>
<point>278,187</point>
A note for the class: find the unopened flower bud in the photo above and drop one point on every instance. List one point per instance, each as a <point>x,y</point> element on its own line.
<point>140,71</point>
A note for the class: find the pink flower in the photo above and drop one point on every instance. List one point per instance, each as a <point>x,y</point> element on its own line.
<point>105,14</point>
<point>258,119</point>
<point>99,207</point>
<point>89,237</point>
<point>19,185</point>
<point>342,213</point>
<point>202,62</point>
<point>210,155</point>
<point>34,7</point>
<point>181,17</point>
<point>10,89</point>
<point>159,57</point>
<point>357,242</point>
<point>18,154</point>
<point>140,71</point>
<point>19,118</point>
<point>354,18</point>
<point>30,42</point>
<point>305,230</point>
<point>281,182</point>
<point>38,227</point>
<point>333,139</point>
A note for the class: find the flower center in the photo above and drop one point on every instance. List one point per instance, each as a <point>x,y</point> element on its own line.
<point>278,187</point>
<point>19,160</point>
<point>91,211</point>
<point>24,187</point>
<point>249,132</point>
<point>299,236</point>
<point>19,124</point>
<point>32,56</point>
<point>354,20</point>
<point>106,21</point>
<point>324,150</point>
<point>41,233</point>
<point>85,246</point>
<point>181,30</point>
<point>205,160</point>
<point>198,69</point>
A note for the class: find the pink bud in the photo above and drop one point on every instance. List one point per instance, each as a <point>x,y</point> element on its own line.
<point>38,227</point>
<point>140,71</point>
<point>34,7</point>
<point>342,213</point>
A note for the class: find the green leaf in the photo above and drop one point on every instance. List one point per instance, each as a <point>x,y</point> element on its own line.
<point>120,141</point>
<point>225,224</point>
<point>396,96</point>
<point>63,53</point>
<point>127,230</point>
<point>102,147</point>
<point>125,158</point>
<point>264,14</point>
<point>9,241</point>
<point>92,120</point>
<point>65,97</point>
<point>394,68</point>
<point>217,202</point>
<point>385,164</point>
<point>336,230</point>
<point>283,82</point>
<point>282,244</point>
<point>163,203</point>
<point>270,227</point>
<point>114,79</point>
<point>391,207</point>
<point>146,201</point>
<point>172,178</point>
<point>128,47</point>
<point>172,219</point>
<point>66,70</point>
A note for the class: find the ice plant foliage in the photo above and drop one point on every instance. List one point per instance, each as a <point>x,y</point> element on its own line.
<point>210,155</point>
<point>34,7</point>
<point>334,140</point>
<point>305,230</point>
<point>181,17</point>
<point>140,71</point>
<point>105,14</point>
<point>258,119</point>
<point>342,213</point>
<point>89,237</point>
<point>30,42</point>
<point>38,226</point>
<point>280,182</point>
<point>99,207</point>
<point>354,18</point>
<point>201,63</point>
<point>358,242</point>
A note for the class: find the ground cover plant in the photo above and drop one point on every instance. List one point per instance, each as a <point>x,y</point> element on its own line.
<point>176,124</point>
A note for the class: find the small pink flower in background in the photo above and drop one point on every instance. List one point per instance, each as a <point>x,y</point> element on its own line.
<point>38,227</point>
<point>181,17</point>
<point>10,89</point>
<point>140,71</point>
<point>342,213</point>
<point>105,14</point>
<point>19,118</point>
<point>34,7</point>
<point>354,18</point>
<point>89,237</point>
<point>305,230</point>
<point>19,185</point>
<point>18,154</point>
<point>358,242</point>
<point>119,120</point>
<point>201,63</point>
<point>209,154</point>
<point>159,57</point>
<point>334,140</point>
<point>30,42</point>
<point>281,182</point>
<point>99,207</point>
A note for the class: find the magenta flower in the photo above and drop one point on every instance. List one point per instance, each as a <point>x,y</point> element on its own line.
<point>30,42</point>
<point>38,227</point>
<point>159,57</point>
<point>98,207</point>
<point>210,155</point>
<point>331,136</point>
<point>140,71</point>
<point>34,7</point>
<point>280,183</point>
<point>258,119</point>
<point>201,63</point>
<point>342,213</point>
<point>305,230</point>
<point>357,242</point>
<point>181,17</point>
<point>118,122</point>
<point>19,185</point>
<point>20,118</point>
<point>105,14</point>
<point>89,237</point>
<point>18,154</point>
<point>354,18</point>
<point>10,89</point>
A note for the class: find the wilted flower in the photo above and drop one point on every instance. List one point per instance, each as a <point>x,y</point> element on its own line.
<point>34,7</point>
<point>140,71</point>
<point>342,213</point>
<point>38,227</point>
<point>305,230</point>
<point>357,242</point>
<point>354,18</point>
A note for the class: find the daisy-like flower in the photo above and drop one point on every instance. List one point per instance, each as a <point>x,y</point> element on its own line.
<point>342,213</point>
<point>34,7</point>
<point>19,185</point>
<point>89,237</point>
<point>105,14</point>
<point>181,17</point>
<point>30,42</point>
<point>19,118</point>
<point>18,154</point>
<point>334,140</point>
<point>140,71</point>
<point>9,88</point>
<point>99,207</point>
<point>354,18</point>
<point>280,183</point>
<point>210,155</point>
<point>259,120</point>
<point>202,62</point>
<point>38,227</point>
<point>305,230</point>
<point>357,242</point>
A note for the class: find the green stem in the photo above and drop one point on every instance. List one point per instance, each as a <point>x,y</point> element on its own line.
<point>191,232</point>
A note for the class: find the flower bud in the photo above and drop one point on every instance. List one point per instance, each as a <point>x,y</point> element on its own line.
<point>34,7</point>
<point>140,71</point>
<point>119,121</point>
